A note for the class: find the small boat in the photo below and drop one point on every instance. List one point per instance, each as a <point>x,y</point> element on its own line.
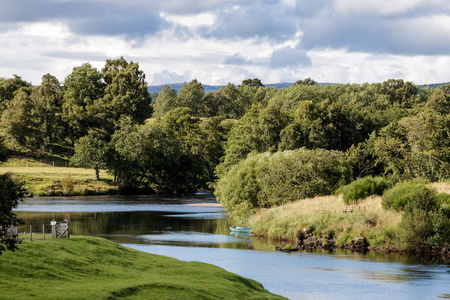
<point>241,229</point>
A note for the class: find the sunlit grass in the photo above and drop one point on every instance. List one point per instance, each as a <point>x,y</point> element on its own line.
<point>324,214</point>
<point>95,268</point>
<point>44,179</point>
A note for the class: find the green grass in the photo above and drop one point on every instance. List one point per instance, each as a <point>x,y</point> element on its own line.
<point>44,179</point>
<point>95,268</point>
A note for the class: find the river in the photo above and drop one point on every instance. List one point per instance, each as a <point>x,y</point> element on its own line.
<point>193,228</point>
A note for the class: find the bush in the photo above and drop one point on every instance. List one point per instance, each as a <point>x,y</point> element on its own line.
<point>424,222</point>
<point>444,200</point>
<point>266,180</point>
<point>402,192</point>
<point>364,187</point>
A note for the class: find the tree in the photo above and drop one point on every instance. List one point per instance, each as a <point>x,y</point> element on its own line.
<point>306,81</point>
<point>84,88</point>
<point>91,150</point>
<point>191,96</point>
<point>21,129</point>
<point>166,101</point>
<point>13,191</point>
<point>400,91</point>
<point>416,146</point>
<point>439,101</point>
<point>255,82</point>
<point>47,101</point>
<point>126,92</point>
<point>8,88</point>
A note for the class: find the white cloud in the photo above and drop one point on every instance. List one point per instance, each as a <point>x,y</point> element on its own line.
<point>191,21</point>
<point>223,41</point>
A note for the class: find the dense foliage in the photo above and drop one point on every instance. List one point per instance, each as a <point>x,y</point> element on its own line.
<point>265,180</point>
<point>363,187</point>
<point>257,146</point>
<point>260,146</point>
<point>12,190</point>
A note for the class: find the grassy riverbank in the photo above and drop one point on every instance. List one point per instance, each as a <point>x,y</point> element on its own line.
<point>95,268</point>
<point>49,176</point>
<point>324,216</point>
<point>325,219</point>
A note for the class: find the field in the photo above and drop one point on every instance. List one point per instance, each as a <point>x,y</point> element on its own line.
<point>50,177</point>
<point>95,268</point>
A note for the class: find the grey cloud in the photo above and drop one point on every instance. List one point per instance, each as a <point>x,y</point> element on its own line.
<point>374,35</point>
<point>321,25</point>
<point>265,20</point>
<point>289,57</point>
<point>237,59</point>
<point>170,77</point>
<point>118,24</point>
<point>85,17</point>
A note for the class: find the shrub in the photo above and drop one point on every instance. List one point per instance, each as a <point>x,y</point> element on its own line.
<point>266,180</point>
<point>364,187</point>
<point>424,222</point>
<point>67,184</point>
<point>402,192</point>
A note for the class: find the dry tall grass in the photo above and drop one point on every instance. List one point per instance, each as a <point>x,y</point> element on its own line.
<point>324,214</point>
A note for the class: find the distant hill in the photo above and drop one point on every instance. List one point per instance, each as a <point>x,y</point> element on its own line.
<point>212,88</point>
<point>432,85</point>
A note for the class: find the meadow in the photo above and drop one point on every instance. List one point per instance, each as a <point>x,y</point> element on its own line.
<point>54,177</point>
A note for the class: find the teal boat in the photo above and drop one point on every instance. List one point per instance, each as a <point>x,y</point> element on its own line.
<point>241,229</point>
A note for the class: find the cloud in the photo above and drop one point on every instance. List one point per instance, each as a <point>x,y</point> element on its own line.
<point>386,8</point>
<point>167,76</point>
<point>85,17</point>
<point>268,21</point>
<point>237,59</point>
<point>414,34</point>
<point>220,41</point>
<point>289,57</point>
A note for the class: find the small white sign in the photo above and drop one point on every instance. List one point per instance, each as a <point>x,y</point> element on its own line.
<point>53,223</point>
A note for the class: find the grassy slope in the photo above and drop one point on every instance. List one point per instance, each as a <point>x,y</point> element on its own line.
<point>325,214</point>
<point>44,179</point>
<point>95,268</point>
<point>376,224</point>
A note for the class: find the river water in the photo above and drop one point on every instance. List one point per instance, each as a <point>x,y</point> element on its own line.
<point>195,229</point>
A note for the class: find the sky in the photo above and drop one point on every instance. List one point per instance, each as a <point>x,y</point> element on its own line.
<point>222,41</point>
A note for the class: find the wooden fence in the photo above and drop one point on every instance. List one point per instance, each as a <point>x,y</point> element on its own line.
<point>58,230</point>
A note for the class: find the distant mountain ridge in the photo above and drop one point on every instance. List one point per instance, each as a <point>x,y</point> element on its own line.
<point>213,88</point>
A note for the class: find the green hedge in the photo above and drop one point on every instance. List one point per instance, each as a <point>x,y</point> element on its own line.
<point>266,180</point>
<point>403,192</point>
<point>364,187</point>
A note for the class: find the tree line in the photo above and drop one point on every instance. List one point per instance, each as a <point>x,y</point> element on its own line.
<point>186,140</point>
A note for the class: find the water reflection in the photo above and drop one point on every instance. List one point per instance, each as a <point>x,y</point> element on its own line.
<point>194,228</point>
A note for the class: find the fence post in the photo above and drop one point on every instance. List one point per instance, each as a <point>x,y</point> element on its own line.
<point>31,232</point>
<point>53,223</point>
<point>43,231</point>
